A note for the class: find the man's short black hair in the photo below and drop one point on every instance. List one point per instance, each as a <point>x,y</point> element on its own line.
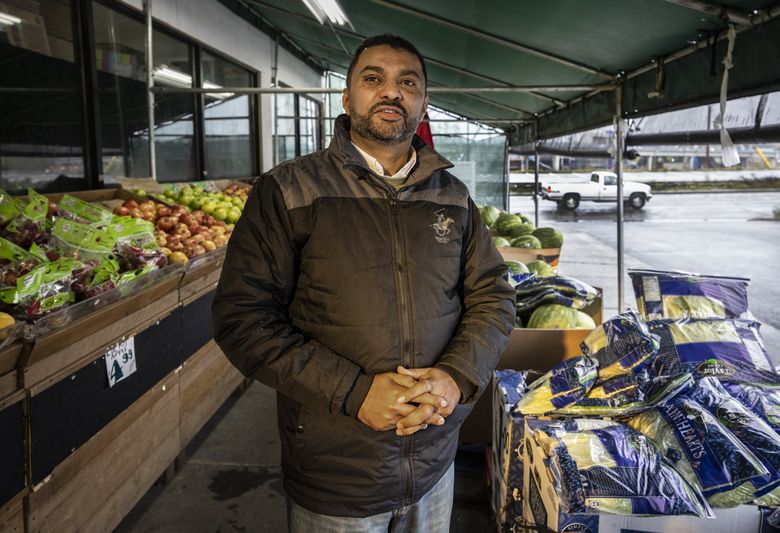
<point>393,41</point>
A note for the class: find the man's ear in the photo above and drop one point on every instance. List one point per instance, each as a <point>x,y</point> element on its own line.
<point>424,107</point>
<point>345,100</point>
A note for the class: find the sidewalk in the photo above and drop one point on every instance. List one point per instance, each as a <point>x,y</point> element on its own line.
<point>231,480</point>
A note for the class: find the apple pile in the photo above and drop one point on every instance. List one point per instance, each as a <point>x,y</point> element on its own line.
<point>182,235</point>
<point>223,206</point>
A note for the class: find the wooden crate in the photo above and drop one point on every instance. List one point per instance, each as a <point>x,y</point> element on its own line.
<point>103,480</point>
<point>12,516</point>
<point>207,380</point>
<point>63,350</point>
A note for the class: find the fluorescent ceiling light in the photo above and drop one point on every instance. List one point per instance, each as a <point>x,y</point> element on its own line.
<point>168,76</point>
<point>330,9</point>
<point>9,20</point>
<point>218,96</point>
<point>175,78</point>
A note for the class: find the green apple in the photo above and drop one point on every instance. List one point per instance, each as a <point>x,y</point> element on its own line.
<point>233,215</point>
<point>209,207</point>
<point>220,214</point>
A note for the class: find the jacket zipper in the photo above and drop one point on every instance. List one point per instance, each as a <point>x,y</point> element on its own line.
<point>406,327</point>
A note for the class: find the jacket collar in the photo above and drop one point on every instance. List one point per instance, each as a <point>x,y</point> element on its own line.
<point>428,160</point>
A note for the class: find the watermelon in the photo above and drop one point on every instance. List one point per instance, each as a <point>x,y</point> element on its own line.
<point>584,321</point>
<point>489,215</point>
<point>540,269</point>
<point>515,267</point>
<point>499,241</point>
<point>526,241</point>
<point>522,229</point>
<point>549,237</point>
<point>504,224</point>
<point>553,316</point>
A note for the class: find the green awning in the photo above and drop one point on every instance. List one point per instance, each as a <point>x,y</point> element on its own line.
<point>491,43</point>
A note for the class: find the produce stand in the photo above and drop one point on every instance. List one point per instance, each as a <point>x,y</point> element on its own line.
<point>77,452</point>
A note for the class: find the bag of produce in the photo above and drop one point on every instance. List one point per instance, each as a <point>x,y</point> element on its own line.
<point>9,208</point>
<point>606,467</point>
<point>83,212</point>
<point>751,430</point>
<point>626,395</point>
<point>46,288</point>
<point>726,349</point>
<point>30,226</point>
<point>561,386</point>
<point>675,295</point>
<point>534,291</point>
<point>762,400</point>
<point>80,241</point>
<point>135,243</point>
<point>704,452</point>
<point>622,345</point>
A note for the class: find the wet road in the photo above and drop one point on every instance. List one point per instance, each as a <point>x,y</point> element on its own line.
<point>708,233</point>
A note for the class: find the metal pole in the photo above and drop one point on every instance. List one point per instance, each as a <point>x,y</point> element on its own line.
<point>536,184</point>
<point>507,171</point>
<point>274,118</point>
<point>619,172</point>
<point>150,86</point>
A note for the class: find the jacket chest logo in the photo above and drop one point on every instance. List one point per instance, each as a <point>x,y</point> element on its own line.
<point>442,226</point>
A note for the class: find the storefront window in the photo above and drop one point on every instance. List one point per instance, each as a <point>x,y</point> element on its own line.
<point>297,127</point>
<point>124,119</point>
<point>229,144</point>
<point>41,127</point>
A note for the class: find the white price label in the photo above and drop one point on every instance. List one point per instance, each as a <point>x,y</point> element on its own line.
<point>120,361</point>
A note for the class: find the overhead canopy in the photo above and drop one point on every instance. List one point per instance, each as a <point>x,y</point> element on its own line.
<point>666,54</point>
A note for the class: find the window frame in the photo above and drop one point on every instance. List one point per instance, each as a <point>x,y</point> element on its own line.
<point>93,150</point>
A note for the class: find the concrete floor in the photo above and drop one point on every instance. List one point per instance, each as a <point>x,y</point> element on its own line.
<point>231,479</point>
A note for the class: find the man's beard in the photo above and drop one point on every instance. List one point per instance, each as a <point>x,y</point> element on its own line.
<point>384,132</point>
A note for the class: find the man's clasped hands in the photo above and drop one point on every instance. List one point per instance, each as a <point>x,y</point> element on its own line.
<point>409,399</point>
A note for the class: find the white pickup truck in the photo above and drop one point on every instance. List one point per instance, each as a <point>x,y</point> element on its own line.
<point>602,187</point>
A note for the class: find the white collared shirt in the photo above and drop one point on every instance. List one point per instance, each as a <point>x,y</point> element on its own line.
<point>376,167</point>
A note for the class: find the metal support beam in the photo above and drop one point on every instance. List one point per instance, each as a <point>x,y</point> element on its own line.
<point>726,13</point>
<point>536,184</point>
<point>619,172</point>
<point>150,85</point>
<point>495,39</point>
<point>433,90</point>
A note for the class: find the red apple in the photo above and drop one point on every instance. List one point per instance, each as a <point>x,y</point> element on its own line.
<point>122,211</point>
<point>166,224</point>
<point>131,204</point>
<point>136,213</point>
<point>198,250</point>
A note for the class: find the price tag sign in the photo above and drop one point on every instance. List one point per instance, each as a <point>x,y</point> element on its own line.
<point>120,361</point>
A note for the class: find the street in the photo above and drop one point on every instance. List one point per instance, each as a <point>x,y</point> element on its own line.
<point>706,233</point>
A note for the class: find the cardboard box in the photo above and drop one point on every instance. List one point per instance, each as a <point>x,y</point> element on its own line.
<point>542,509</point>
<point>507,460</point>
<point>528,349</point>
<point>526,255</point>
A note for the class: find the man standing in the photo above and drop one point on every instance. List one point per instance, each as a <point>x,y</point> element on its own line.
<point>362,285</point>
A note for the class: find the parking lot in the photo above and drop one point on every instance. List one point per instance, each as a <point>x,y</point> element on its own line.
<point>707,233</point>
